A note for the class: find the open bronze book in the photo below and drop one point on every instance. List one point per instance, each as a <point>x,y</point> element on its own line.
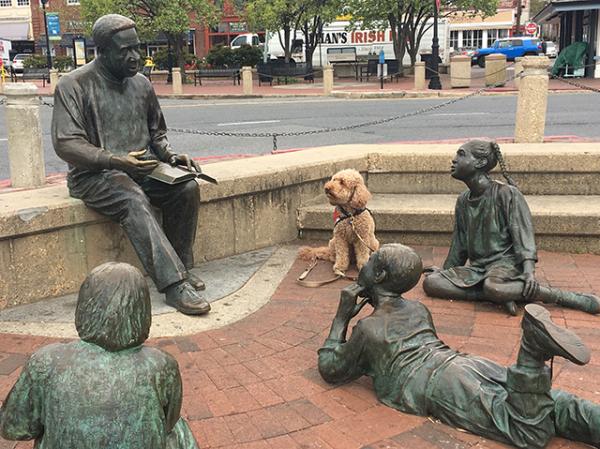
<point>174,175</point>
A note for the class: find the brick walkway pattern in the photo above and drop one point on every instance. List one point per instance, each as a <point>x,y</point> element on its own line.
<point>255,385</point>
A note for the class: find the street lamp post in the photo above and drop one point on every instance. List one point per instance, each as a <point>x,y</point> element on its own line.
<point>434,82</point>
<point>48,55</point>
<point>170,63</point>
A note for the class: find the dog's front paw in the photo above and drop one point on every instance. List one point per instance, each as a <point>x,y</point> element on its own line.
<point>339,272</point>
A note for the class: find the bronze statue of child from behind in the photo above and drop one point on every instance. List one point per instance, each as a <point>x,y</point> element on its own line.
<point>106,390</point>
<point>493,231</point>
<point>415,372</point>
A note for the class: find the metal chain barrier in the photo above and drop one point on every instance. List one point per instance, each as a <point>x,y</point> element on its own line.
<point>2,101</point>
<point>275,136</point>
<point>46,103</point>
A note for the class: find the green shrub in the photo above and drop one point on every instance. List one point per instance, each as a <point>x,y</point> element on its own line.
<point>162,62</point>
<point>35,62</point>
<point>62,63</point>
<point>221,56</point>
<point>247,55</point>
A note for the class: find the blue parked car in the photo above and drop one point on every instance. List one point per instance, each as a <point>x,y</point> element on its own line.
<point>512,47</point>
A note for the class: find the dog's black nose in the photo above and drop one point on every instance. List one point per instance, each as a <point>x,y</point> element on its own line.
<point>327,189</point>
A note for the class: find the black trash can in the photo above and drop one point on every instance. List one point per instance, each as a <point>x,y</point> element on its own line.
<point>427,58</point>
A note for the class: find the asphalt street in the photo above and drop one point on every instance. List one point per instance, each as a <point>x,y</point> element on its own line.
<point>492,116</point>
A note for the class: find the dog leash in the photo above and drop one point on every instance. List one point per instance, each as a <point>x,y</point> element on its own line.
<point>314,284</point>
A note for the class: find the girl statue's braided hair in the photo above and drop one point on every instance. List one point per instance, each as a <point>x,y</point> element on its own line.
<point>502,163</point>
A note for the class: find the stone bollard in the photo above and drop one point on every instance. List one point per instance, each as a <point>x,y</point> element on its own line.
<point>518,70</point>
<point>53,80</point>
<point>419,76</point>
<point>533,100</point>
<point>247,80</point>
<point>460,71</point>
<point>327,79</point>
<point>495,70</point>
<point>177,86</point>
<point>25,153</point>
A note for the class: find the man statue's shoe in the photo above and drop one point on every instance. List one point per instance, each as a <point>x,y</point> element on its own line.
<point>196,282</point>
<point>544,338</point>
<point>186,299</point>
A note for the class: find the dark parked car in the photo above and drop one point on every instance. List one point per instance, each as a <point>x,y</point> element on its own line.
<point>512,47</point>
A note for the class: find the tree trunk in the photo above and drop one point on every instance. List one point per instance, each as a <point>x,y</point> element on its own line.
<point>287,47</point>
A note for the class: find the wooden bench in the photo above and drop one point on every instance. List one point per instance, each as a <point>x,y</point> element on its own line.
<point>36,74</point>
<point>280,70</point>
<point>233,73</point>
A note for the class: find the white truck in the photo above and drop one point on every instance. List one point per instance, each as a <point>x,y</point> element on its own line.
<point>336,37</point>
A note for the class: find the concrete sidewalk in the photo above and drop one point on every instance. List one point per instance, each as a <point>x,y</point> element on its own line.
<point>253,384</point>
<point>345,87</point>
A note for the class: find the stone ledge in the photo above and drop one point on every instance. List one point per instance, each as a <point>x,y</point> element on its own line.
<point>49,242</point>
<point>562,222</point>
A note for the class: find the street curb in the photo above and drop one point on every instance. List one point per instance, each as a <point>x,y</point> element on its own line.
<point>408,94</point>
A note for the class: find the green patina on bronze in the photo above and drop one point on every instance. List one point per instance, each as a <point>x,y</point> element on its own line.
<point>415,372</point>
<point>493,233</point>
<point>106,390</point>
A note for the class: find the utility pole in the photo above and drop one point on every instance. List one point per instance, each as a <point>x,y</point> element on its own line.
<point>518,18</point>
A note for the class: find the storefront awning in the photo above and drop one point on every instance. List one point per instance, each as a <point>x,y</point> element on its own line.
<point>553,9</point>
<point>14,31</point>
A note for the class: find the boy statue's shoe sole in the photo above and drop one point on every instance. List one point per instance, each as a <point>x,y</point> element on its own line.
<point>569,345</point>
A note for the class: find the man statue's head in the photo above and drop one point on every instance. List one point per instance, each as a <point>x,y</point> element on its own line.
<point>393,268</point>
<point>118,45</point>
<point>113,307</point>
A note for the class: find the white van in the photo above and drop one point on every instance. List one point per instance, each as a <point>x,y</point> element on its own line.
<point>335,36</point>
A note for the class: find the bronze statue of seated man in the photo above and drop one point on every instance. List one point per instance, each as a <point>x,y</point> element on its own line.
<point>415,372</point>
<point>106,390</point>
<point>493,231</point>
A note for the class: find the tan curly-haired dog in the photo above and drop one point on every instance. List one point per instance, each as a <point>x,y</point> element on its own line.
<point>354,228</point>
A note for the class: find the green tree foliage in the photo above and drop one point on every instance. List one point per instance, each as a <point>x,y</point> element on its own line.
<point>318,13</point>
<point>171,17</point>
<point>283,17</point>
<point>409,19</point>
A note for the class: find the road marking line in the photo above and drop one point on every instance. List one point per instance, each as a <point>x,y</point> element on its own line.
<point>248,123</point>
<point>2,139</point>
<point>459,113</point>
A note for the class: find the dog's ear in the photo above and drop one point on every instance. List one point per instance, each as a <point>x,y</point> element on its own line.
<point>361,196</point>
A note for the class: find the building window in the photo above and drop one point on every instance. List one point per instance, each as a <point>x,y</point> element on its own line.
<point>496,34</point>
<point>454,39</point>
<point>72,2</point>
<point>472,38</point>
<point>5,3</point>
<point>22,2</point>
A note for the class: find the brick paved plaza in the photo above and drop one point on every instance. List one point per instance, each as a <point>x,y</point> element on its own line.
<point>254,384</point>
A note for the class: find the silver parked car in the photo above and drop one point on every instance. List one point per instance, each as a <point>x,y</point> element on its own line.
<point>551,49</point>
<point>17,62</point>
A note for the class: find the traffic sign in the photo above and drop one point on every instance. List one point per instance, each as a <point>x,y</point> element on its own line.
<point>531,28</point>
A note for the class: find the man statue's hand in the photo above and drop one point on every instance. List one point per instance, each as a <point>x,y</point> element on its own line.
<point>185,160</point>
<point>132,164</point>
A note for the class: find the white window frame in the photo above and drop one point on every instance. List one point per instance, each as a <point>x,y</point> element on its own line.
<point>24,1</point>
<point>4,5</point>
